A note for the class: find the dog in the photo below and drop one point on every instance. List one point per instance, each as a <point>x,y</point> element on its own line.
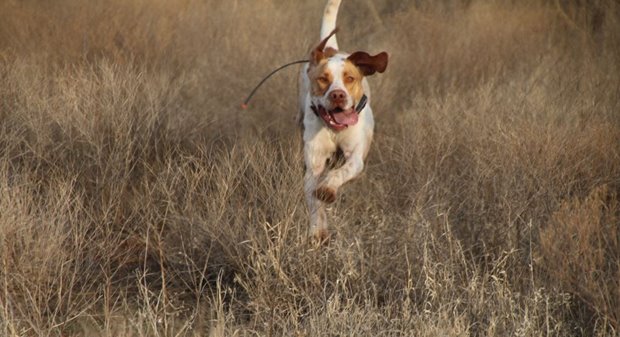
<point>336,117</point>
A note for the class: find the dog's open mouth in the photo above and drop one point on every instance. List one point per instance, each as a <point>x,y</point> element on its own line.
<point>338,118</point>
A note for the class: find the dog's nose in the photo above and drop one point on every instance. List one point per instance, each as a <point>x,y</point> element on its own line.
<point>337,96</point>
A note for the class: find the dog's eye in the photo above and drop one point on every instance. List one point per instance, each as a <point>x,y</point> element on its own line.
<point>323,80</point>
<point>349,79</point>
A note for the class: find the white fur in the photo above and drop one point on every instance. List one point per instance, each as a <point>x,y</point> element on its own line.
<point>321,142</point>
<point>329,22</point>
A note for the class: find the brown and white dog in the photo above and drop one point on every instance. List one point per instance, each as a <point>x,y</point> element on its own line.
<point>336,116</point>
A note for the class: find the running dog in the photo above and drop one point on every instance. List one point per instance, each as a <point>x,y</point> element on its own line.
<point>336,117</point>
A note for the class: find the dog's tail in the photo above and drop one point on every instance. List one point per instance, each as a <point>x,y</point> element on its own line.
<point>329,22</point>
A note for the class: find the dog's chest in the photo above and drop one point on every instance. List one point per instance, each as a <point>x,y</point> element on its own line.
<point>321,138</point>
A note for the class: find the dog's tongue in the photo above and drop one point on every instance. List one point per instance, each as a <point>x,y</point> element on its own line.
<point>347,117</point>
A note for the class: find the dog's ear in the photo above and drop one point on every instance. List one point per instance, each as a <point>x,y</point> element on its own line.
<point>367,64</point>
<point>318,53</point>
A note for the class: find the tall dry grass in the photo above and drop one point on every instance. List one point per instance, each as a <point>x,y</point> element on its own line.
<point>137,199</point>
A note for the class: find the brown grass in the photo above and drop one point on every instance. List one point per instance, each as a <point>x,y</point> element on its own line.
<point>137,199</point>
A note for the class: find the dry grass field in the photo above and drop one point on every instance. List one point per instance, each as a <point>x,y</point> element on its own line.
<point>138,199</point>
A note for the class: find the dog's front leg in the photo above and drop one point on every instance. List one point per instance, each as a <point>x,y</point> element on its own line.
<point>352,168</point>
<point>315,165</point>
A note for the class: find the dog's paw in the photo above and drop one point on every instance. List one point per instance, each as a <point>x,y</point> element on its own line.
<point>320,236</point>
<point>325,194</point>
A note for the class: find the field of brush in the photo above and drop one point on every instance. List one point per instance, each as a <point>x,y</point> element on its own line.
<point>138,199</point>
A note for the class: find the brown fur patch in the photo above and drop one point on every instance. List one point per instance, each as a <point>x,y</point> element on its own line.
<point>354,84</point>
<point>329,52</point>
<point>320,77</point>
<point>325,194</point>
<point>367,64</point>
<point>318,53</point>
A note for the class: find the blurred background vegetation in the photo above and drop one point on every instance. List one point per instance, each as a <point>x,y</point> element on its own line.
<point>138,199</point>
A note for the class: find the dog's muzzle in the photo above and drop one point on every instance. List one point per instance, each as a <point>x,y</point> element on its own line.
<point>339,119</point>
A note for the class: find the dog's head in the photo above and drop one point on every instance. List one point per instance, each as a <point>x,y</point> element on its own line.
<point>336,79</point>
